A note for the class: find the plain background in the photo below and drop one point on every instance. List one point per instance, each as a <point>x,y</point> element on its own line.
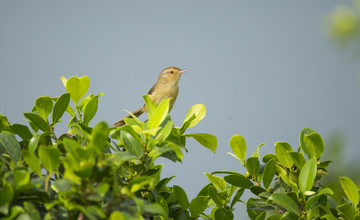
<point>263,69</point>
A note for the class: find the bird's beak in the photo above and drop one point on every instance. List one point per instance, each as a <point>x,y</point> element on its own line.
<point>182,71</point>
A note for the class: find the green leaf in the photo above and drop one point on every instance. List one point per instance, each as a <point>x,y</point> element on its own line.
<point>158,151</point>
<point>290,183</point>
<point>298,159</point>
<point>314,144</point>
<point>223,214</point>
<point>286,202</point>
<point>6,192</point>
<point>32,211</point>
<point>218,182</point>
<point>181,197</point>
<point>252,164</point>
<point>99,137</point>
<point>32,161</point>
<point>21,178</point>
<point>238,180</point>
<point>60,107</point>
<point>154,209</point>
<point>150,105</point>
<point>11,146</point>
<point>256,151</point>
<point>22,130</point>
<point>199,111</point>
<point>132,144</point>
<point>164,132</point>
<point>307,175</point>
<point>198,205</point>
<point>269,172</point>
<point>118,158</point>
<point>207,140</point>
<point>90,110</point>
<point>38,121</point>
<point>44,106</point>
<point>50,158</point>
<point>238,146</point>
<point>215,197</point>
<point>237,197</point>
<point>303,146</point>
<point>282,151</point>
<point>35,140</point>
<point>77,87</point>
<point>347,211</point>
<point>350,190</point>
<point>159,114</point>
<point>162,183</point>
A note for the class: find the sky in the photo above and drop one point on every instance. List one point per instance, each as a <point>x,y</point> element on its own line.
<point>264,70</point>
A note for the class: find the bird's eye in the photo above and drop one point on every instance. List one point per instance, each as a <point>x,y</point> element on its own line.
<point>172,71</point>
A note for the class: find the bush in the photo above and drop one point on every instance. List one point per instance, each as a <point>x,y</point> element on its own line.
<point>103,172</point>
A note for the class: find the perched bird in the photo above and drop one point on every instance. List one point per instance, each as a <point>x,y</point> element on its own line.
<point>165,87</point>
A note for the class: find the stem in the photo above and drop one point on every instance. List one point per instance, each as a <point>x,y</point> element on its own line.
<point>47,181</point>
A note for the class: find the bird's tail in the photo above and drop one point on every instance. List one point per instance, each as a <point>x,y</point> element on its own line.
<point>136,113</point>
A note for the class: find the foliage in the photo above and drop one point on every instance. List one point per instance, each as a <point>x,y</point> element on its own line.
<point>285,185</point>
<point>103,172</point>
<point>95,172</point>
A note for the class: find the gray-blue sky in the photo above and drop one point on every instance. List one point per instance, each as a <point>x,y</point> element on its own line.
<point>264,69</point>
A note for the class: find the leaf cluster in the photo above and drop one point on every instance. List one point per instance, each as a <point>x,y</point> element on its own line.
<point>284,185</point>
<point>97,172</point>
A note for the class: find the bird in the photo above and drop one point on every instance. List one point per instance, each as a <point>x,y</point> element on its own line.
<point>165,87</point>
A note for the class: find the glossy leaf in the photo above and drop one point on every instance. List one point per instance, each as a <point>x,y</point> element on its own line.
<point>150,105</point>
<point>99,137</point>
<point>162,183</point>
<point>181,197</point>
<point>6,192</point>
<point>207,140</point>
<point>347,211</point>
<point>22,130</point>
<point>90,110</point>
<point>215,197</point>
<point>298,159</point>
<point>307,175</point>
<point>350,190</point>
<point>238,146</point>
<point>238,180</point>
<point>11,146</point>
<point>32,161</point>
<point>77,87</point>
<point>60,107</point>
<point>256,151</point>
<point>159,114</point>
<point>132,144</point>
<point>164,132</point>
<point>303,146</point>
<point>223,214</point>
<point>21,178</point>
<point>314,144</point>
<point>252,164</point>
<point>198,205</point>
<point>199,111</point>
<point>286,202</point>
<point>49,157</point>
<point>269,172</point>
<point>118,158</point>
<point>44,106</point>
<point>282,151</point>
<point>38,121</point>
<point>218,182</point>
<point>35,140</point>
<point>237,196</point>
